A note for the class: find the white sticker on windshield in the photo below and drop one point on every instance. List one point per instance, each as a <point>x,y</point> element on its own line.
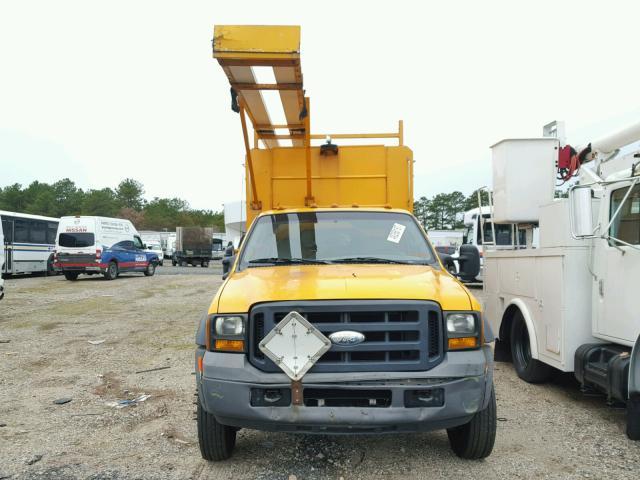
<point>395,235</point>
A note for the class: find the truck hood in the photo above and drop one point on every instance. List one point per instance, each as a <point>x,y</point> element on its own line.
<point>340,282</point>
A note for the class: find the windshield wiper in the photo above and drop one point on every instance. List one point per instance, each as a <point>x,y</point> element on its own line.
<point>288,261</point>
<point>373,260</point>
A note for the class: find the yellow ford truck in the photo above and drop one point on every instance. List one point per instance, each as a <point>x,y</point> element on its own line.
<point>336,316</point>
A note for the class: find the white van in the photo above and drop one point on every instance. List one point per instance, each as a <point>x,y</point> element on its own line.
<point>94,245</point>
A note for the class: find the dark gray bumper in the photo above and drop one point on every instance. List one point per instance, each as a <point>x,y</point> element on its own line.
<point>465,377</point>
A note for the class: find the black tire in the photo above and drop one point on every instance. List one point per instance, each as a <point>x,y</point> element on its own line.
<point>633,418</point>
<point>71,276</point>
<point>475,440</point>
<point>216,441</point>
<point>183,263</point>
<point>112,271</point>
<point>150,270</point>
<point>174,263</point>
<point>50,269</point>
<point>528,369</point>
<point>204,264</point>
<point>161,263</point>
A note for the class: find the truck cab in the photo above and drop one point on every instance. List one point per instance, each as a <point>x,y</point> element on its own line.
<point>336,315</point>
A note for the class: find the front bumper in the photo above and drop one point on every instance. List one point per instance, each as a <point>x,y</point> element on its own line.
<point>464,377</point>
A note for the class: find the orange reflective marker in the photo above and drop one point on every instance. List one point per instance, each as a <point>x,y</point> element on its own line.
<point>462,343</point>
<point>230,345</point>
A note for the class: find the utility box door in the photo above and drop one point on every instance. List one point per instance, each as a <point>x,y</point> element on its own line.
<point>524,176</point>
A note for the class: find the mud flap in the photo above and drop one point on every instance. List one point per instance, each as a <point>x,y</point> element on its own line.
<point>633,403</point>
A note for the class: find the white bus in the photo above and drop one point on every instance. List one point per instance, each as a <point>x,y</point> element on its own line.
<point>29,242</point>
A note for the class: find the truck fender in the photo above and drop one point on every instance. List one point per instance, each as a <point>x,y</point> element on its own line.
<point>201,334</point>
<point>529,322</point>
<point>634,370</point>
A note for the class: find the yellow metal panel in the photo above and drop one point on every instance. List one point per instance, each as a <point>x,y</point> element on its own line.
<point>320,282</point>
<point>369,176</point>
<point>256,38</point>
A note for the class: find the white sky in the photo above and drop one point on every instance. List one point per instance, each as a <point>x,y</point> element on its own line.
<point>100,91</point>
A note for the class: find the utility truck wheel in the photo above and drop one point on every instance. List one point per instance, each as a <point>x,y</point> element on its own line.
<point>528,368</point>
<point>204,264</point>
<point>474,440</point>
<point>112,271</point>
<point>72,276</point>
<point>633,418</point>
<point>150,270</point>
<point>183,263</point>
<point>216,441</point>
<point>173,262</point>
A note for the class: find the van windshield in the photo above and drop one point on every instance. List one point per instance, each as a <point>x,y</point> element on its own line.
<point>76,240</point>
<point>336,237</point>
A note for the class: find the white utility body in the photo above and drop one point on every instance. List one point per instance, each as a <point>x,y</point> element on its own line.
<point>569,300</point>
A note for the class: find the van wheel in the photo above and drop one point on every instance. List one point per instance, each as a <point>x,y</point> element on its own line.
<point>216,441</point>
<point>475,440</point>
<point>112,271</point>
<point>173,262</point>
<point>150,270</point>
<point>633,418</point>
<point>72,276</point>
<point>528,369</point>
<point>50,269</point>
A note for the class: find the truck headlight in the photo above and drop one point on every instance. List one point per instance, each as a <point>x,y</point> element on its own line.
<point>226,333</point>
<point>233,325</point>
<point>463,330</point>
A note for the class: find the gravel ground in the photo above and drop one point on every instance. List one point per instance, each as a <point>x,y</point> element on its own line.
<point>548,431</point>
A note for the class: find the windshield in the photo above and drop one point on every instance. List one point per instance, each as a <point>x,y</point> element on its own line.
<point>76,240</point>
<point>340,237</point>
<point>153,246</point>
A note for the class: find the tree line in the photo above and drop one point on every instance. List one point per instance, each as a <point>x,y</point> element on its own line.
<point>63,198</point>
<point>444,210</point>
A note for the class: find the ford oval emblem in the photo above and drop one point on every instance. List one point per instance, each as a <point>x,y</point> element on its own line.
<point>346,338</point>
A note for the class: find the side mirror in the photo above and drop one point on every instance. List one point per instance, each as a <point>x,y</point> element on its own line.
<point>144,246</point>
<point>448,263</point>
<point>227,263</point>
<point>469,261</point>
<point>581,212</point>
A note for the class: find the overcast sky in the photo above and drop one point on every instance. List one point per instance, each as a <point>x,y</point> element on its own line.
<point>100,91</point>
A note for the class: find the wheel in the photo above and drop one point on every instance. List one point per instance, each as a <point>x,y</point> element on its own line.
<point>174,263</point>
<point>183,263</point>
<point>633,418</point>
<point>528,369</point>
<point>216,441</point>
<point>112,271</point>
<point>474,440</point>
<point>50,269</point>
<point>150,270</point>
<point>161,263</point>
<point>72,276</point>
<point>204,264</point>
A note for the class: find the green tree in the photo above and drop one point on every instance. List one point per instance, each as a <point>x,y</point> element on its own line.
<point>130,194</point>
<point>12,198</point>
<point>100,202</point>
<point>67,197</point>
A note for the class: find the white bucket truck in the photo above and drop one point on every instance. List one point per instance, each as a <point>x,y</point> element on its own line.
<point>571,303</point>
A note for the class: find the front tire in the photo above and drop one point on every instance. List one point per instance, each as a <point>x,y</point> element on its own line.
<point>475,440</point>
<point>633,418</point>
<point>150,270</point>
<point>528,368</point>
<point>71,276</point>
<point>216,441</point>
<point>112,271</point>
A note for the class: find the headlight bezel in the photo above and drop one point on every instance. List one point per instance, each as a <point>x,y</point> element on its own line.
<point>220,341</point>
<point>462,339</point>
